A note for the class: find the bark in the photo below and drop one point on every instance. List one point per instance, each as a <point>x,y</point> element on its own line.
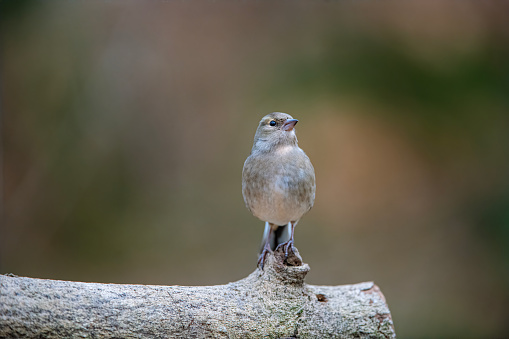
<point>270,303</point>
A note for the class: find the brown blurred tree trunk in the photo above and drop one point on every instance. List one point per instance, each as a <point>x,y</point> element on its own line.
<point>271,303</point>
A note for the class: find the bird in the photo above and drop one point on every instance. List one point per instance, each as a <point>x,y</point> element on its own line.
<point>278,182</point>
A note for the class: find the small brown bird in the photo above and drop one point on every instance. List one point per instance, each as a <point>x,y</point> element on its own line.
<point>278,181</point>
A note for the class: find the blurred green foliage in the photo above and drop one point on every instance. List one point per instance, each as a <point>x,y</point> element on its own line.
<point>436,94</point>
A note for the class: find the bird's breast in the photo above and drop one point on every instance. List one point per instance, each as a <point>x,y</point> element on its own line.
<point>279,187</point>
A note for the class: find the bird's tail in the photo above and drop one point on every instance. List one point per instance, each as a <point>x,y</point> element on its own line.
<point>278,236</point>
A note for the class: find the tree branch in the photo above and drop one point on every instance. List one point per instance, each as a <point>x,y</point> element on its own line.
<point>271,303</point>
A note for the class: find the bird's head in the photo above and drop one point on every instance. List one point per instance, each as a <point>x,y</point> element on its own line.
<point>275,130</point>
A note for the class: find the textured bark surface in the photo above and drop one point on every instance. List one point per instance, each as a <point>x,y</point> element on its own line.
<point>270,303</point>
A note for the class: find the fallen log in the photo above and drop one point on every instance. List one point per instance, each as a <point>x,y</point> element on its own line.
<point>270,303</point>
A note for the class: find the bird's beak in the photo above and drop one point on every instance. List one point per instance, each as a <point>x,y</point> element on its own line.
<point>289,124</point>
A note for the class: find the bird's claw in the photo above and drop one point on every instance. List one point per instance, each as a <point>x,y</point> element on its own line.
<point>286,246</point>
<point>261,258</point>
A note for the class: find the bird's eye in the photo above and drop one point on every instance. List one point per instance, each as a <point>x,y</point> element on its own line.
<point>272,123</point>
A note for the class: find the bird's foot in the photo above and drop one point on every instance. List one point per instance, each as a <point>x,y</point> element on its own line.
<point>288,254</point>
<point>286,246</point>
<point>261,258</point>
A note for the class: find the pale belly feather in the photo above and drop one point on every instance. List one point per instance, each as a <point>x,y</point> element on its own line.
<point>282,194</point>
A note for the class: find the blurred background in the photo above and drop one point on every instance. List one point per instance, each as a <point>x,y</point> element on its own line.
<point>126,125</point>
